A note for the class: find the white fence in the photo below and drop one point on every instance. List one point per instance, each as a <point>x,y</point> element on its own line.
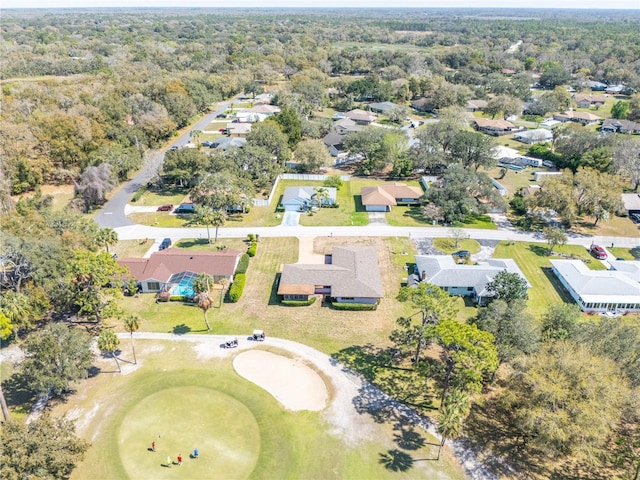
<point>294,176</point>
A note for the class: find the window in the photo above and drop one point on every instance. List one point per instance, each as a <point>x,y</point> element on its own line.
<point>153,285</point>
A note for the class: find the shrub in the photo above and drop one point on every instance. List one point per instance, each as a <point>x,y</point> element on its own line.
<point>243,264</point>
<point>333,181</point>
<point>138,194</point>
<point>180,298</point>
<point>299,303</point>
<point>237,287</point>
<point>354,306</point>
<point>251,237</point>
<point>252,249</point>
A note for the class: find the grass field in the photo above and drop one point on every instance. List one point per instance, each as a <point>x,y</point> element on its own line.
<point>171,194</point>
<point>182,397</point>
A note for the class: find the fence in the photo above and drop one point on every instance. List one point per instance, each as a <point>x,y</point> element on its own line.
<point>293,176</point>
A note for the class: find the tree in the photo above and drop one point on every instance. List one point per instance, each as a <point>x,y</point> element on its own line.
<point>469,354</point>
<point>516,331</point>
<point>94,184</point>
<point>368,142</point>
<point>54,357</point>
<point>106,237</point>
<point>291,125</point>
<point>195,136</point>
<point>560,321</point>
<point>310,155</point>
<point>556,397</point>
<point>457,234</point>
<point>202,286</point>
<point>508,286</point>
<point>434,304</point>
<point>185,167</point>
<point>108,342</point>
<point>620,109</point>
<point>398,113</point>
<point>94,283</point>
<point>132,324</point>
<point>451,416</point>
<point>209,216</point>
<point>505,104</point>
<point>221,191</point>
<point>321,196</point>
<point>555,236</point>
<point>432,212</point>
<point>554,75</point>
<point>270,136</point>
<point>472,149</point>
<point>626,160</point>
<point>46,448</point>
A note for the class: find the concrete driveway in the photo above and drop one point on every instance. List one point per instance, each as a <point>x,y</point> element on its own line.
<point>290,219</point>
<point>377,218</point>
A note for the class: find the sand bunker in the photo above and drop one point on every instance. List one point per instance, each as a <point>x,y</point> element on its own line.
<point>291,382</point>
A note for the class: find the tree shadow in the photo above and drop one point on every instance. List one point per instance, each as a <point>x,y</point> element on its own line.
<point>181,329</point>
<point>635,252</point>
<point>396,461</point>
<point>192,242</point>
<point>408,439</point>
<point>539,250</point>
<point>357,200</point>
<point>562,291</point>
<point>415,212</point>
<point>17,394</point>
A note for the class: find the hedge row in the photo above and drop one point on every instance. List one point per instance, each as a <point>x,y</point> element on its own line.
<point>180,298</point>
<point>354,306</point>
<point>299,303</point>
<point>237,287</point>
<point>138,194</point>
<point>252,249</point>
<point>243,264</point>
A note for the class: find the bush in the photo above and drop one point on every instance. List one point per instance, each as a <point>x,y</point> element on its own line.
<point>299,303</point>
<point>138,194</point>
<point>354,306</point>
<point>252,249</point>
<point>251,237</point>
<point>243,264</point>
<point>180,298</point>
<point>333,181</point>
<point>237,287</point>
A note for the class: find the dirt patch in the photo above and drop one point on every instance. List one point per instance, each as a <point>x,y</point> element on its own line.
<point>291,382</point>
<point>306,253</point>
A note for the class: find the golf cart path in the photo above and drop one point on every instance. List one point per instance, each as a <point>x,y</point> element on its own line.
<point>352,396</point>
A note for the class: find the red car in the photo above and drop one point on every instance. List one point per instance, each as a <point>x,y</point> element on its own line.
<point>165,208</point>
<point>598,252</point>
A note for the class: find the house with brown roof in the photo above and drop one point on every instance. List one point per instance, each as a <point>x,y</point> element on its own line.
<point>361,117</point>
<point>495,127</point>
<point>615,125</point>
<point>174,269</point>
<point>585,118</point>
<point>382,197</point>
<point>476,105</point>
<point>586,100</point>
<point>351,276</point>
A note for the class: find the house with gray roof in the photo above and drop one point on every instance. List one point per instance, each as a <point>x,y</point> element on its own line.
<point>223,143</point>
<point>601,291</point>
<point>382,107</point>
<point>615,125</point>
<point>351,275</point>
<point>461,279</point>
<point>298,199</point>
<point>538,135</point>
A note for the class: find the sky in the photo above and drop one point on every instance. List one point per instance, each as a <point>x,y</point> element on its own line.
<point>579,4</point>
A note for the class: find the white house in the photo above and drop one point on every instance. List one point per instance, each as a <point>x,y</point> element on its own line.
<point>460,279</point>
<point>296,199</point>
<point>539,135</point>
<point>601,291</point>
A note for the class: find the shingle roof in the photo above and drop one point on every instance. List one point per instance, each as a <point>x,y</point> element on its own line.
<point>360,115</point>
<point>598,286</point>
<point>353,272</point>
<point>387,193</point>
<point>161,265</point>
<point>490,123</point>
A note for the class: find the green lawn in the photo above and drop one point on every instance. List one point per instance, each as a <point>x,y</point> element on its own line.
<point>448,245</point>
<point>170,194</point>
<point>533,261</point>
<point>183,397</point>
<point>131,248</point>
<point>483,222</point>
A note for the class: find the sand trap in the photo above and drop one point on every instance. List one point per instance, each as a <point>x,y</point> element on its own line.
<point>292,383</point>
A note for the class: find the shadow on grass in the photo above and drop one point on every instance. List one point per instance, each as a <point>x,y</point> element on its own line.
<point>274,298</point>
<point>415,213</point>
<point>17,394</point>
<point>396,460</point>
<point>181,329</point>
<point>409,439</point>
<point>635,252</point>
<point>562,291</point>
<point>357,200</point>
<point>539,250</point>
<point>193,243</point>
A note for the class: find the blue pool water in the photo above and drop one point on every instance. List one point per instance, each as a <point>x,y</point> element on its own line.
<point>186,290</point>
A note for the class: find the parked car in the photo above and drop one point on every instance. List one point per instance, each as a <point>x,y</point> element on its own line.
<point>165,208</point>
<point>174,147</point>
<point>462,254</point>
<point>206,143</point>
<point>258,335</point>
<point>598,252</point>
<point>223,130</point>
<point>221,115</point>
<point>166,243</point>
<point>231,342</point>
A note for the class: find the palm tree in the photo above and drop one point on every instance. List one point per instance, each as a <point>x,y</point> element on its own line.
<point>131,324</point>
<point>106,236</point>
<point>218,219</point>
<point>202,285</point>
<point>321,195</point>
<point>204,302</point>
<point>108,342</point>
<point>195,134</point>
<point>224,283</point>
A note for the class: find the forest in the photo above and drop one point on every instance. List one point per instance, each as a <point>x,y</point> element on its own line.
<point>89,96</point>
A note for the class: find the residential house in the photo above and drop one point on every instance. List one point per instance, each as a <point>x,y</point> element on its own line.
<point>597,86</point>
<point>351,275</point>
<point>461,279</point>
<point>382,197</point>
<point>538,135</point>
<point>236,129</point>
<point>382,107</point>
<point>476,105</point>
<point>423,105</point>
<point>585,118</point>
<point>245,116</point>
<point>173,270</point>
<point>346,125</point>
<point>335,143</point>
<point>361,117</point>
<point>550,123</point>
<point>264,109</point>
<point>224,143</point>
<point>631,202</point>
<point>297,199</point>
<point>585,100</point>
<point>495,127</point>
<point>601,291</point>
<point>615,89</point>
<point>614,125</point>
<point>263,98</point>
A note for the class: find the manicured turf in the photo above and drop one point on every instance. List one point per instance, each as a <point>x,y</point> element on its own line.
<point>181,419</point>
